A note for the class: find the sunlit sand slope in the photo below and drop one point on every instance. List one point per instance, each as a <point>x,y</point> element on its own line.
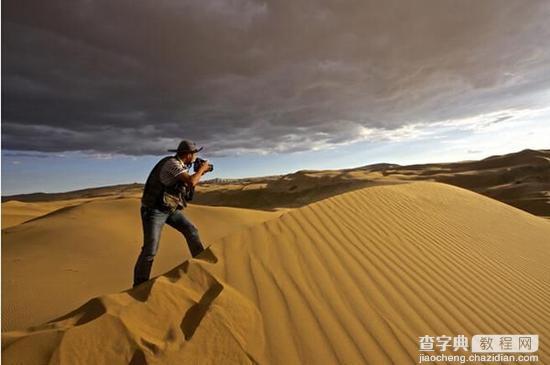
<point>60,260</point>
<point>352,279</point>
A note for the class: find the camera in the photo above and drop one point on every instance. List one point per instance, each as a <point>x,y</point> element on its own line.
<point>198,163</point>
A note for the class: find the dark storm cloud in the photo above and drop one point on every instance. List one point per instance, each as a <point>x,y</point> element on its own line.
<point>133,77</point>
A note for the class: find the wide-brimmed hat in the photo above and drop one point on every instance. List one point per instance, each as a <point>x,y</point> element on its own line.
<point>186,146</point>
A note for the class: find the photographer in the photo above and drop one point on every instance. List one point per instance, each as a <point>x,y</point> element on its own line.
<point>166,190</point>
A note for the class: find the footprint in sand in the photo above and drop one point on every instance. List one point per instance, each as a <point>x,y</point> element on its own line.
<point>196,313</point>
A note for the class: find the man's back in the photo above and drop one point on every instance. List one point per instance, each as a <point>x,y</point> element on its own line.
<point>162,175</point>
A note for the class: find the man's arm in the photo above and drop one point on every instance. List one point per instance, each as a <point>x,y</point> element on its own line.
<point>192,180</point>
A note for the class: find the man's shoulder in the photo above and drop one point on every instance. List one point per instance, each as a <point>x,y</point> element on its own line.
<point>175,162</point>
<point>163,162</point>
<point>172,161</point>
<point>171,168</point>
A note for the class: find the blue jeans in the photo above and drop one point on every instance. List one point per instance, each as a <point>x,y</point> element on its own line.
<point>152,221</point>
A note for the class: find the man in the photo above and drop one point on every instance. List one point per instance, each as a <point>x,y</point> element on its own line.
<point>168,174</point>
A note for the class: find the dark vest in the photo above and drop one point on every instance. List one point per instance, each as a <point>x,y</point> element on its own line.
<point>154,188</point>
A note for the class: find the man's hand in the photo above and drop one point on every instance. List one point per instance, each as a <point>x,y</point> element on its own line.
<point>204,166</point>
<point>192,180</point>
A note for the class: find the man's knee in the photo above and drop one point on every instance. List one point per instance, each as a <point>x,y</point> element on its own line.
<point>188,230</point>
<point>150,245</point>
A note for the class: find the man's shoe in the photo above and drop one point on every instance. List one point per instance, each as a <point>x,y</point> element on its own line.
<point>207,255</point>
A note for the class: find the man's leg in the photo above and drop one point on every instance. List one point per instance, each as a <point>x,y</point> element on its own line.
<point>178,221</point>
<point>152,222</point>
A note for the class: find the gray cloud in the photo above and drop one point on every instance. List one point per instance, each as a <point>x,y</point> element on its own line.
<point>29,154</point>
<point>249,76</point>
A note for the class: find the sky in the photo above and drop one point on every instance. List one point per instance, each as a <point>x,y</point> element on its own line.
<point>95,92</point>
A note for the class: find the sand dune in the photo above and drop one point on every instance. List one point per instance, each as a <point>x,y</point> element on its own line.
<point>355,279</point>
<point>291,191</point>
<point>121,190</point>
<point>61,259</point>
<point>15,212</point>
<point>521,179</point>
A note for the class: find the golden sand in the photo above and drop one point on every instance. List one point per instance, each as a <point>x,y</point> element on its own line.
<point>352,279</point>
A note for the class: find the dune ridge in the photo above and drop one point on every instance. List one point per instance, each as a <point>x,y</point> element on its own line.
<point>128,326</point>
<point>355,278</point>
<point>55,262</point>
<point>15,212</point>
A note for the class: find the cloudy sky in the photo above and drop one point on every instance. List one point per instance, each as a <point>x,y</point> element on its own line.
<point>94,92</point>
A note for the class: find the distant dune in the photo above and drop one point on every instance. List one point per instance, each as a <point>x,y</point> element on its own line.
<point>353,279</point>
<point>520,179</point>
<point>102,191</point>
